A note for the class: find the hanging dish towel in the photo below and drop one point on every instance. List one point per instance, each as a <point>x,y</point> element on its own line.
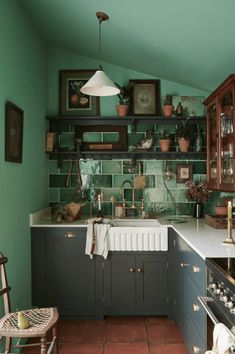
<point>96,239</point>
<point>222,340</point>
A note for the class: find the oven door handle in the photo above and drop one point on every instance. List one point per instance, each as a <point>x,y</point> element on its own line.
<point>203,300</point>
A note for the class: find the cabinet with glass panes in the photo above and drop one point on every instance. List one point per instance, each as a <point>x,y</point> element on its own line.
<point>221,136</point>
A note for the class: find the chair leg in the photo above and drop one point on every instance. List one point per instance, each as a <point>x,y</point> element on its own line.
<point>8,344</point>
<point>55,335</point>
<point>43,345</point>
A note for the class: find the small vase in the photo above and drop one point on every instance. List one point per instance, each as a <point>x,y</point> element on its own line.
<point>122,110</point>
<point>197,210</point>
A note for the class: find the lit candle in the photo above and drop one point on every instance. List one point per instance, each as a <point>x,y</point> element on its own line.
<point>99,202</point>
<point>229,210</point>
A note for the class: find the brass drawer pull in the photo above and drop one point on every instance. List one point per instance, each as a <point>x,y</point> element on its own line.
<point>196,307</point>
<point>70,235</point>
<point>196,349</point>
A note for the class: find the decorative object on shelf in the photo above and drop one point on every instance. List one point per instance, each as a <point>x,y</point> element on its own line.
<point>72,102</point>
<point>184,173</point>
<point>14,117</point>
<point>192,105</point>
<point>100,84</point>
<point>102,137</point>
<point>50,141</point>
<point>179,110</point>
<point>147,142</point>
<point>167,107</point>
<point>198,141</point>
<point>124,97</point>
<point>199,193</point>
<point>165,140</point>
<point>145,97</point>
<point>185,134</point>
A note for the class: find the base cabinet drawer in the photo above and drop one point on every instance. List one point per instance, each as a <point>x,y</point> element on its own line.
<point>195,344</point>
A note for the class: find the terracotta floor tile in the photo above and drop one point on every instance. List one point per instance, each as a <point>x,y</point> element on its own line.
<point>126,348</point>
<point>176,348</point>
<point>156,320</point>
<point>80,348</point>
<point>164,333</point>
<point>132,332</point>
<point>86,331</point>
<point>125,320</point>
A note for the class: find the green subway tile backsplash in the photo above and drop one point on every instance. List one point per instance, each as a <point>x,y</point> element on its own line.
<point>107,176</point>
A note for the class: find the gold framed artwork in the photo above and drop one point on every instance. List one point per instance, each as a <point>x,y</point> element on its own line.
<point>184,173</point>
<point>145,97</point>
<point>72,102</point>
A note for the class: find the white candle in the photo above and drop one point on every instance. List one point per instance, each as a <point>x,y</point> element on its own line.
<point>99,202</point>
<point>229,210</point>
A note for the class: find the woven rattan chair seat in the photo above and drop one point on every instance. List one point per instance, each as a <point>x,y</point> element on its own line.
<point>40,321</point>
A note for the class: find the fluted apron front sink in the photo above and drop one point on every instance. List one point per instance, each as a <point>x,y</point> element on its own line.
<point>137,235</point>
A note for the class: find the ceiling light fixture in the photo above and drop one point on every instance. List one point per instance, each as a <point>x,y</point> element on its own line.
<point>100,84</point>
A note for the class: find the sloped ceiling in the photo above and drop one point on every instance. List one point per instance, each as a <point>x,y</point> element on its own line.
<point>186,41</point>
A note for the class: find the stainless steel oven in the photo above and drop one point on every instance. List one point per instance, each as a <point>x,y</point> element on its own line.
<point>220,301</point>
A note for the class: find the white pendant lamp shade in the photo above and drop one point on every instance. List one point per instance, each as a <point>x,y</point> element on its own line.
<point>100,85</point>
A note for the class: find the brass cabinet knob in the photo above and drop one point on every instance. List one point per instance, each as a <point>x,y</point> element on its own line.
<point>196,307</point>
<point>139,270</point>
<point>196,349</point>
<point>132,270</point>
<point>196,269</point>
<point>70,235</point>
<point>183,265</point>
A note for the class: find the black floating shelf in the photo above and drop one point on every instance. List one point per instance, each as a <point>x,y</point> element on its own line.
<point>130,155</point>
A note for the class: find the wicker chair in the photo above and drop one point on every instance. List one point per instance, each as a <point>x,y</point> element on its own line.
<point>41,321</point>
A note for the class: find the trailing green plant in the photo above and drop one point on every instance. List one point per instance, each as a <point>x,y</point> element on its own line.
<point>164,135</point>
<point>125,93</point>
<point>167,101</point>
<point>186,130</point>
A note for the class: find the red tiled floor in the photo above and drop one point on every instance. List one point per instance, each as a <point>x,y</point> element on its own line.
<point>176,348</point>
<point>130,332</point>
<point>86,331</point>
<point>164,333</point>
<point>126,348</point>
<point>115,335</point>
<point>80,348</point>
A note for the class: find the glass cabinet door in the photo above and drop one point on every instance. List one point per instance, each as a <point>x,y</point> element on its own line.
<point>226,139</point>
<point>212,152</point>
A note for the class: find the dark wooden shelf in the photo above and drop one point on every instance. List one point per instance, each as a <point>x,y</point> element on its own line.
<point>131,155</point>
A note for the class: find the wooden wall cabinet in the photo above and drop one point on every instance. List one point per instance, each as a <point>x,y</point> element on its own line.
<point>221,136</point>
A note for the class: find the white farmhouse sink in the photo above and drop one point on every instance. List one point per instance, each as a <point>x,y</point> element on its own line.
<point>137,235</point>
<point>136,222</point>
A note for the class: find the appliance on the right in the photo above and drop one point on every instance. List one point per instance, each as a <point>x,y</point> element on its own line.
<point>220,305</point>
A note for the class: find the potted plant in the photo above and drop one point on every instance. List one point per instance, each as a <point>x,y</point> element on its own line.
<point>124,97</point>
<point>198,192</point>
<point>165,140</point>
<point>185,134</point>
<point>167,107</point>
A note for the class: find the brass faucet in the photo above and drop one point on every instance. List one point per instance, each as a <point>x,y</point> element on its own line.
<point>133,193</point>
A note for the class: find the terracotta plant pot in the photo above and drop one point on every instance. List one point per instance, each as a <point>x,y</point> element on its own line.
<point>221,210</point>
<point>122,110</point>
<point>167,110</point>
<point>165,145</point>
<point>183,144</point>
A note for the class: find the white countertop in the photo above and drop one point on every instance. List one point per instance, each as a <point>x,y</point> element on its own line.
<point>205,240</point>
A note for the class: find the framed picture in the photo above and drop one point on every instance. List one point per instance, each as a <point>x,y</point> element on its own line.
<point>13,133</point>
<point>145,97</point>
<point>192,105</point>
<point>184,173</point>
<point>71,101</point>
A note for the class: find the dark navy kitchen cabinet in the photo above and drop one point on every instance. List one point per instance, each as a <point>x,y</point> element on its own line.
<point>135,283</point>
<point>187,281</point>
<point>71,280</point>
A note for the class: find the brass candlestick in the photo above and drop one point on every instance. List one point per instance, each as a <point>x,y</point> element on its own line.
<point>229,240</point>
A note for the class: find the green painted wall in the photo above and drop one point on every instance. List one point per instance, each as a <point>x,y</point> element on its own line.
<point>23,81</point>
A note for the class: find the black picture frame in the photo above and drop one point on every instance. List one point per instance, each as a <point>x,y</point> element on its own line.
<point>184,173</point>
<point>71,101</point>
<point>14,117</point>
<point>145,98</point>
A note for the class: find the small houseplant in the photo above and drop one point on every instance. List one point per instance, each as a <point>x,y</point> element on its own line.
<point>185,133</point>
<point>124,97</point>
<point>165,140</point>
<point>167,107</point>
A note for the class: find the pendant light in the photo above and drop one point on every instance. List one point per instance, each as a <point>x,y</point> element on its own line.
<point>100,84</point>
